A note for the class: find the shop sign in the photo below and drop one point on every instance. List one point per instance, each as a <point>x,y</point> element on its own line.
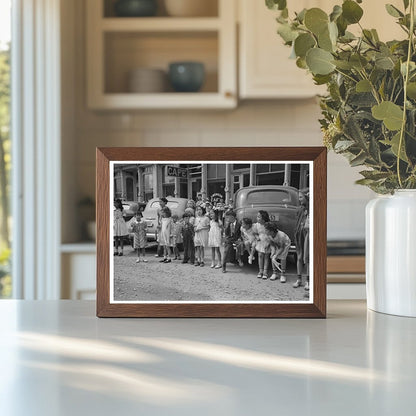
<point>177,172</point>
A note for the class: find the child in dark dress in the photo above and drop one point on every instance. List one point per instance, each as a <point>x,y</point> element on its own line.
<point>188,239</point>
<point>232,234</point>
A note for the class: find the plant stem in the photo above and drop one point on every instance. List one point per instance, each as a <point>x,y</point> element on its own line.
<point>405,81</point>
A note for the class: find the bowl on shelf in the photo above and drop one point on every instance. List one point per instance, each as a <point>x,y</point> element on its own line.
<point>147,80</point>
<point>186,76</point>
<point>191,8</point>
<point>135,8</point>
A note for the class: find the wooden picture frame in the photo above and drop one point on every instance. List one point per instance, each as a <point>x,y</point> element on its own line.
<point>309,159</point>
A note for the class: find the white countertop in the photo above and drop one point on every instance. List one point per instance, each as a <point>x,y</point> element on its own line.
<point>57,358</point>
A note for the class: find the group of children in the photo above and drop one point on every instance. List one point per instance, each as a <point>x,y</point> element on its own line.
<point>228,239</point>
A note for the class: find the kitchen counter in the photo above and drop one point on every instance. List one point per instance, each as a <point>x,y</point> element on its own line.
<point>57,358</point>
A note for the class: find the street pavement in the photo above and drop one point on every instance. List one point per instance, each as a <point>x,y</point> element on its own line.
<point>155,281</point>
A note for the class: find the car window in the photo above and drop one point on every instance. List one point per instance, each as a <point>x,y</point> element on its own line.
<point>269,197</point>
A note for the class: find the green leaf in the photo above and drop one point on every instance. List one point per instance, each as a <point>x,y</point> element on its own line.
<point>375,35</point>
<point>319,61</point>
<point>287,33</point>
<point>285,13</point>
<point>344,65</point>
<point>358,61</point>
<point>393,11</point>
<point>374,150</point>
<point>276,4</point>
<point>351,11</point>
<point>333,32</point>
<point>359,160</point>
<point>301,63</point>
<point>343,145</point>
<point>411,90</point>
<point>363,86</point>
<point>321,79</point>
<point>353,131</point>
<point>406,4</point>
<point>325,42</point>
<point>301,15</point>
<point>374,174</point>
<point>342,25</point>
<point>365,182</point>
<point>368,36</point>
<point>316,20</point>
<point>347,37</point>
<point>384,62</point>
<point>303,43</point>
<point>394,143</point>
<point>336,12</point>
<point>412,67</point>
<point>391,114</point>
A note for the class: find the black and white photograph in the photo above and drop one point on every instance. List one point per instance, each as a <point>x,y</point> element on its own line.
<point>211,232</point>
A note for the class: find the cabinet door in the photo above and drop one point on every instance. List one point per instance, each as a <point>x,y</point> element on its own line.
<point>266,71</point>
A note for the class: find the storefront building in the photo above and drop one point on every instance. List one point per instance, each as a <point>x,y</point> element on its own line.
<point>143,182</point>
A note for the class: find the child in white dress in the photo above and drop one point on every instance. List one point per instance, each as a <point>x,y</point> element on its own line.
<point>201,227</point>
<point>248,239</point>
<point>165,234</point>
<point>214,238</point>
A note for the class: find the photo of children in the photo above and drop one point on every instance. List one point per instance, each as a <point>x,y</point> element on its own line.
<point>251,227</point>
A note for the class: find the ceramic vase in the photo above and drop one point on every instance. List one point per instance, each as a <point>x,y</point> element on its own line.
<point>391,253</point>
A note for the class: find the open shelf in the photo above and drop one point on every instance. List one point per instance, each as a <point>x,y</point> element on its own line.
<point>116,46</point>
<point>160,24</point>
<point>210,9</point>
<point>126,51</point>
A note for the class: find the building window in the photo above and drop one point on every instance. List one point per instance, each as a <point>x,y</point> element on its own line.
<point>148,185</point>
<point>216,171</point>
<point>130,189</point>
<point>276,178</point>
<point>118,194</point>
<point>241,166</point>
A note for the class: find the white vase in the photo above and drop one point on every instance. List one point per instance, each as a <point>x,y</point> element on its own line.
<point>391,253</point>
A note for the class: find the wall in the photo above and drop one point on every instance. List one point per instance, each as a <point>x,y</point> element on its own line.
<point>258,123</point>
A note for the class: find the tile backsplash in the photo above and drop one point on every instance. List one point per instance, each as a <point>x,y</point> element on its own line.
<point>258,123</point>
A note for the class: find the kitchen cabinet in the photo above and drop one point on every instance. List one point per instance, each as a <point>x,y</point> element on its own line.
<point>265,67</point>
<point>118,45</point>
<point>78,263</point>
<point>265,70</point>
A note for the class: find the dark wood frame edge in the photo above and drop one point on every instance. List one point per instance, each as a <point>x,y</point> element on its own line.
<point>317,309</point>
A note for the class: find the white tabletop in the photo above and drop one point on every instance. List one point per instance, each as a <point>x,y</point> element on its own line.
<point>57,358</point>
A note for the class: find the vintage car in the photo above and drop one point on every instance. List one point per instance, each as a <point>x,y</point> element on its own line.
<point>280,202</point>
<point>176,205</point>
<point>131,207</point>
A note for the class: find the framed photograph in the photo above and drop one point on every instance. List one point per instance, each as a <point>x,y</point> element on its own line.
<point>211,232</point>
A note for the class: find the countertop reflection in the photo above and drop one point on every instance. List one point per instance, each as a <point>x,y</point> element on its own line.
<point>57,358</point>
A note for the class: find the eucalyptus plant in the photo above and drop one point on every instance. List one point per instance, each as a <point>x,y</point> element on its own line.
<point>369,111</point>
